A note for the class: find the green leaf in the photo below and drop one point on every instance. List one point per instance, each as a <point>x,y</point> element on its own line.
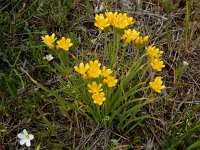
<point>139,122</point>
<point>135,68</point>
<point>64,59</point>
<point>49,125</point>
<point>194,146</point>
<point>38,147</point>
<point>183,136</point>
<point>118,110</point>
<point>12,89</point>
<point>131,112</point>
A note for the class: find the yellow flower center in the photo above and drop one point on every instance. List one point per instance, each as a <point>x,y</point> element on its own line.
<point>27,136</point>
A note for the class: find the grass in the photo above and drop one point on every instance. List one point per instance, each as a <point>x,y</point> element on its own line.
<point>58,125</point>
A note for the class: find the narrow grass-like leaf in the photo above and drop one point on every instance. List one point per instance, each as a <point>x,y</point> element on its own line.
<point>118,110</point>
<point>185,135</point>
<point>12,89</point>
<point>49,125</point>
<point>64,105</point>
<point>142,118</point>
<point>194,146</point>
<point>131,112</point>
<point>134,69</point>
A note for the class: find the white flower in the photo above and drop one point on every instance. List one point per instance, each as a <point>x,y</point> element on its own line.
<point>48,57</point>
<point>25,138</point>
<point>185,63</point>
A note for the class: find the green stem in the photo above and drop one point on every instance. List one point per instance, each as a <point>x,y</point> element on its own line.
<point>106,52</point>
<point>123,54</point>
<point>112,54</point>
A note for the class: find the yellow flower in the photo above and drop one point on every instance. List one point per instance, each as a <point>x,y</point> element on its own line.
<point>49,40</point>
<point>157,64</point>
<point>141,40</point>
<point>101,22</point>
<point>130,35</point>
<point>64,43</point>
<point>111,17</point>
<point>82,69</point>
<point>157,84</point>
<point>99,98</point>
<point>154,52</point>
<point>94,87</point>
<point>106,72</point>
<point>138,40</point>
<point>110,81</point>
<point>122,21</point>
<point>146,39</point>
<point>94,69</point>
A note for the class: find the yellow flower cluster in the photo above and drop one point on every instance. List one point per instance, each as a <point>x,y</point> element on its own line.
<point>157,84</point>
<point>117,20</point>
<point>92,71</point>
<point>157,64</point>
<point>63,43</point>
<point>122,21</point>
<point>97,95</point>
<point>155,54</point>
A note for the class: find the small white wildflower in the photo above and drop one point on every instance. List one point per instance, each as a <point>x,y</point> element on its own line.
<point>48,57</point>
<point>185,63</point>
<point>25,138</point>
